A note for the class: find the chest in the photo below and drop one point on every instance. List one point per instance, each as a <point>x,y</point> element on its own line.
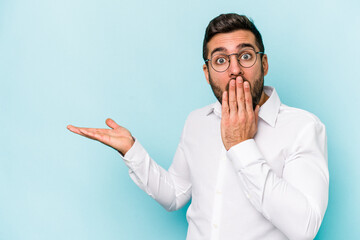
<point>205,151</point>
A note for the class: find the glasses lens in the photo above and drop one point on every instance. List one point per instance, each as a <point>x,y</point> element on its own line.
<point>247,57</point>
<point>220,62</point>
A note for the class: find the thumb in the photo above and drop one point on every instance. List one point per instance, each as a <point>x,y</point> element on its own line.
<point>111,123</point>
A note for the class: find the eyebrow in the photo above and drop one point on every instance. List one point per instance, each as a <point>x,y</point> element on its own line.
<point>241,45</point>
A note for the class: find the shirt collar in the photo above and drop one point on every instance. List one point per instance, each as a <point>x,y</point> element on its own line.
<point>268,111</point>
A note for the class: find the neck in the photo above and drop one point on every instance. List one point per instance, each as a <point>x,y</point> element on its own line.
<point>263,98</point>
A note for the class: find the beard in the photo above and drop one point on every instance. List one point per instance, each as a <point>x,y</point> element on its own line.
<point>256,89</point>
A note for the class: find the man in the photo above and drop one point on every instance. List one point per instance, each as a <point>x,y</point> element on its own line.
<point>253,167</point>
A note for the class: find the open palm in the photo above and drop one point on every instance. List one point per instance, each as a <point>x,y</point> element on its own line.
<point>117,137</point>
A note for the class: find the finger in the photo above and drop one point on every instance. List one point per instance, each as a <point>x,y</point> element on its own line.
<point>240,94</point>
<point>85,133</point>
<point>232,98</point>
<point>257,109</point>
<point>74,129</point>
<point>224,104</point>
<point>95,134</point>
<point>111,123</point>
<point>248,98</point>
<point>80,130</point>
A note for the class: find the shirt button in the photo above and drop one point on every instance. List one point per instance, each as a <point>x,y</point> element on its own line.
<point>247,195</point>
<point>218,192</point>
<point>215,225</point>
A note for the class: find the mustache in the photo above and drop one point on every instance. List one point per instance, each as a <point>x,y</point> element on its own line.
<point>234,78</point>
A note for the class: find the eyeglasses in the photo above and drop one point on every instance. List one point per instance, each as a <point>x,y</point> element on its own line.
<point>221,62</point>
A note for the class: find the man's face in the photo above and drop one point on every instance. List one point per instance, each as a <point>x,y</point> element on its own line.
<point>229,43</point>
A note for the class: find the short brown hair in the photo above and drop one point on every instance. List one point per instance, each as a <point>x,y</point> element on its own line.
<point>230,22</point>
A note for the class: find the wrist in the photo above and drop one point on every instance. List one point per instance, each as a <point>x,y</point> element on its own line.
<point>230,145</point>
<point>126,147</point>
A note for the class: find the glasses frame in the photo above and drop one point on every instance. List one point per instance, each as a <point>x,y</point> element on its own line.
<point>210,60</point>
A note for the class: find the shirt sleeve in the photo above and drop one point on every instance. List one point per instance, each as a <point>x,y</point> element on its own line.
<point>296,201</point>
<point>172,188</point>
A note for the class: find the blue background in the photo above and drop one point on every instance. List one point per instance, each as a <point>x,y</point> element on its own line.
<point>139,62</point>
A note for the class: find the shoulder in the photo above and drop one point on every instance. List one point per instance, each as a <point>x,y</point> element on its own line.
<point>303,131</point>
<point>298,118</point>
<point>199,120</point>
<point>200,113</point>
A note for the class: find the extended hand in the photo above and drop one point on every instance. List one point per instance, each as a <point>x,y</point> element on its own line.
<point>238,120</point>
<point>117,137</point>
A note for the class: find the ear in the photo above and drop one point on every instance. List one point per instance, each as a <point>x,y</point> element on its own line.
<point>265,64</point>
<point>206,72</point>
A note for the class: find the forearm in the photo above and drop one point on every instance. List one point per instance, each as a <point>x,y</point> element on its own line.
<point>297,214</point>
<point>158,183</point>
<point>293,206</point>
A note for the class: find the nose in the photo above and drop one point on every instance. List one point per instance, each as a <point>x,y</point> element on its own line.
<point>235,69</point>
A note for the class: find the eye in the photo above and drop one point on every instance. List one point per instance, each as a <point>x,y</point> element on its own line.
<point>246,56</point>
<point>220,60</point>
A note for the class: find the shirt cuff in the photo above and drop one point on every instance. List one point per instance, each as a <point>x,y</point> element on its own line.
<point>244,154</point>
<point>135,155</point>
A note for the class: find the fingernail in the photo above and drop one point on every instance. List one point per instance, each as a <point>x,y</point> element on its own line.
<point>232,83</point>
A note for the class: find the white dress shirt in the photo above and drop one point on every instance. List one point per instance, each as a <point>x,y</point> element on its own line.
<point>274,186</point>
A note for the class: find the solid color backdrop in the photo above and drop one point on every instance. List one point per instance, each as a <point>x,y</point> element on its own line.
<point>140,63</point>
